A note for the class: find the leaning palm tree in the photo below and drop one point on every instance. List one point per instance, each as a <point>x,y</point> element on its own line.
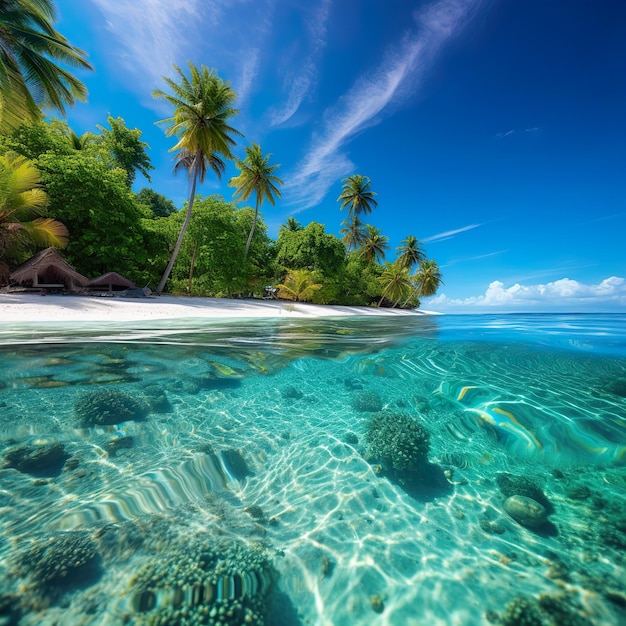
<point>30,77</point>
<point>203,106</point>
<point>411,252</point>
<point>396,283</point>
<point>357,196</point>
<point>256,175</point>
<point>354,232</point>
<point>375,245</point>
<point>427,280</point>
<point>22,204</point>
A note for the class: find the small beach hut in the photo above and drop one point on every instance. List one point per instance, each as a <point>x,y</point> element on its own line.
<point>48,270</point>
<point>111,281</point>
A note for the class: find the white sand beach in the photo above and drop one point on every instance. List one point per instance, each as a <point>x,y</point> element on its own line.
<point>26,308</point>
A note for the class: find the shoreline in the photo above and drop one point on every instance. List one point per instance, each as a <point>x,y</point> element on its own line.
<point>33,308</point>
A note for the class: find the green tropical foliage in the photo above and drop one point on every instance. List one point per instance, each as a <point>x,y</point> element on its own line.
<point>354,232</point>
<point>357,196</point>
<point>101,213</point>
<point>157,203</point>
<point>211,259</point>
<point>32,140</point>
<point>23,202</point>
<point>299,286</point>
<point>410,252</point>
<point>32,56</point>
<point>124,145</point>
<point>427,280</point>
<point>310,248</point>
<point>256,176</point>
<point>203,107</point>
<point>291,224</point>
<point>396,282</point>
<point>375,245</point>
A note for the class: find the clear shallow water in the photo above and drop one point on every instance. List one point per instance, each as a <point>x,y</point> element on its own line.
<point>244,477</point>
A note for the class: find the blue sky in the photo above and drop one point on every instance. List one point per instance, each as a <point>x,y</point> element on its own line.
<point>492,130</point>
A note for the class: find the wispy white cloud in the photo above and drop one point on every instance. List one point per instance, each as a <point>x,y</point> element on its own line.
<point>477,257</point>
<point>148,36</point>
<point>399,75</point>
<point>450,233</point>
<point>561,295</point>
<point>508,133</point>
<point>302,80</point>
<point>249,73</point>
<point>148,32</point>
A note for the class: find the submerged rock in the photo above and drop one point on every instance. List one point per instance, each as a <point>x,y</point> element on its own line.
<point>156,399</point>
<point>617,387</point>
<point>398,441</point>
<point>107,407</point>
<point>291,393</point>
<point>211,582</point>
<point>64,560</point>
<point>235,463</point>
<point>526,511</point>
<point>367,402</point>
<point>522,612</point>
<point>41,459</point>
<point>512,485</point>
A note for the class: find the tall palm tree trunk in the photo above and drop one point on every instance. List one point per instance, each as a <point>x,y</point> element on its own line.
<point>193,264</point>
<point>256,214</point>
<point>183,230</point>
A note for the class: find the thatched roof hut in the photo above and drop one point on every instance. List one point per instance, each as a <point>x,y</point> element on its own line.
<point>48,270</point>
<point>111,281</point>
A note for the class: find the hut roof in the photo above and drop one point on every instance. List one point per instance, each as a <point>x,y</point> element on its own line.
<point>111,279</point>
<point>43,262</point>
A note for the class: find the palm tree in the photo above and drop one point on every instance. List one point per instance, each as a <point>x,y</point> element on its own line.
<point>353,231</point>
<point>396,283</point>
<point>22,203</point>
<point>29,74</point>
<point>357,196</point>
<point>292,225</point>
<point>411,252</point>
<point>298,286</point>
<point>80,142</point>
<point>256,175</point>
<point>203,106</point>
<point>375,244</point>
<point>427,280</point>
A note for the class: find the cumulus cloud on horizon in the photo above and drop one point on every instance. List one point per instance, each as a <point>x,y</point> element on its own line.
<point>560,295</point>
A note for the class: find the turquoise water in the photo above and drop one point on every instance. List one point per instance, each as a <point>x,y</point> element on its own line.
<point>412,470</point>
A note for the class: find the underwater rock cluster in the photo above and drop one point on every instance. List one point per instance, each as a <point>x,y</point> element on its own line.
<point>367,402</point>
<point>60,561</point>
<point>397,441</point>
<point>107,407</point>
<point>221,582</point>
<point>548,610</point>
<point>156,399</point>
<point>38,458</point>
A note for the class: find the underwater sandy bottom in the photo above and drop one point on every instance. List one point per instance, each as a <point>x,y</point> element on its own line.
<point>270,450</point>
